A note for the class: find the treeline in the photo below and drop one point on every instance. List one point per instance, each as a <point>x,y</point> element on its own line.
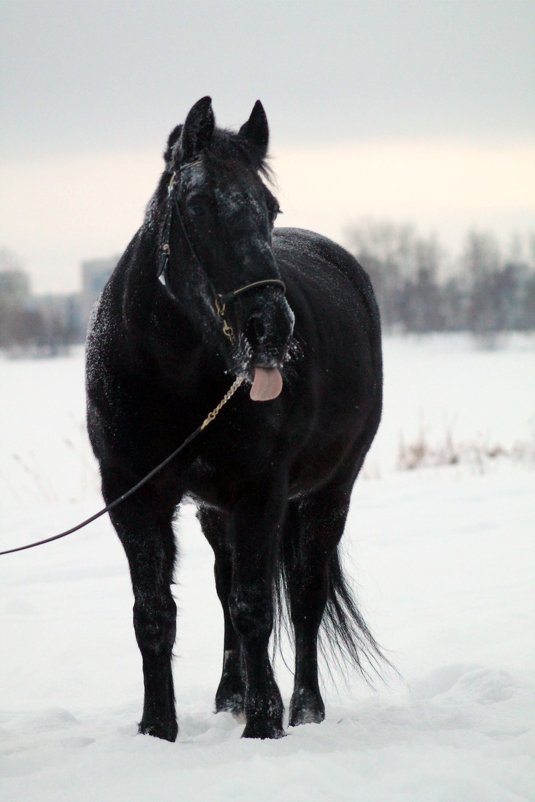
<point>29,324</point>
<point>421,288</point>
<point>24,329</point>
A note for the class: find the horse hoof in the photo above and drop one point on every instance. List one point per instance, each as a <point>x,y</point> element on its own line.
<point>263,730</point>
<point>167,732</point>
<point>306,717</point>
<point>306,709</point>
<point>229,704</point>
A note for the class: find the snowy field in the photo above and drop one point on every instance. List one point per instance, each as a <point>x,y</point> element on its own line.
<point>443,559</point>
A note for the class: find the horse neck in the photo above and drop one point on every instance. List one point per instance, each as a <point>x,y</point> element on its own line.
<point>172,328</point>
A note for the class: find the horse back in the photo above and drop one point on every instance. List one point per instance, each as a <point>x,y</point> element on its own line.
<point>335,373</point>
<point>337,318</point>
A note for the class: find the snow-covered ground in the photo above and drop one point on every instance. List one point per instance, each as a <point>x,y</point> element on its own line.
<point>443,560</point>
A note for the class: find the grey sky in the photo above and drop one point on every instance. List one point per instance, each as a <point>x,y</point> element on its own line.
<point>83,81</point>
<point>101,73</point>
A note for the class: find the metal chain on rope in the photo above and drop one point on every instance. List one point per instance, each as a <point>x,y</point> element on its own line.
<point>206,422</point>
<point>228,395</point>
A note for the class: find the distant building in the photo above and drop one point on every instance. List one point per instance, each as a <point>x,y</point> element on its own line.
<point>14,285</point>
<point>60,316</point>
<point>35,324</point>
<point>48,323</point>
<point>95,273</point>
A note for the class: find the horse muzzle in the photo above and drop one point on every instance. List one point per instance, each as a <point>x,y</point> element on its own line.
<point>267,332</point>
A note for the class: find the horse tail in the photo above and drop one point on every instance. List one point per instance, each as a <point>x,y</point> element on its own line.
<point>344,637</point>
<point>344,634</point>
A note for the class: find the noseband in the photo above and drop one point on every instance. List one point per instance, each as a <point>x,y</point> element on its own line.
<point>220,299</point>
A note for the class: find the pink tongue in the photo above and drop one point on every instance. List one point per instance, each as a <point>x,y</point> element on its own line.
<point>267,384</point>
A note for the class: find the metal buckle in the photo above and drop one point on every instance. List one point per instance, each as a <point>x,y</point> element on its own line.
<point>228,331</point>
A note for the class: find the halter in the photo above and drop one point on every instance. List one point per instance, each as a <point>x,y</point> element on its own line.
<point>220,299</point>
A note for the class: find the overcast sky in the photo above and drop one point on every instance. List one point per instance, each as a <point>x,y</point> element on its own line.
<point>418,111</point>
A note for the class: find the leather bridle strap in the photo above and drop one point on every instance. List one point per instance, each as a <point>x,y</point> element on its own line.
<point>230,296</point>
<point>220,299</point>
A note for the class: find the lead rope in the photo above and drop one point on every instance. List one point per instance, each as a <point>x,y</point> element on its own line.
<point>206,422</point>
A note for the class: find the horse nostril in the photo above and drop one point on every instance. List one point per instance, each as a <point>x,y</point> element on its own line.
<point>260,328</point>
<point>257,328</point>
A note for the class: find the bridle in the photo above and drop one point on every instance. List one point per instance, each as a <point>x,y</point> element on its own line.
<point>221,300</point>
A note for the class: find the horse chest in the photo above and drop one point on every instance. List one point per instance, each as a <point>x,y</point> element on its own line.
<point>209,483</point>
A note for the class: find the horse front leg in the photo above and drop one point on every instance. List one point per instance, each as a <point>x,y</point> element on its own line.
<point>254,533</point>
<point>230,692</point>
<point>148,540</point>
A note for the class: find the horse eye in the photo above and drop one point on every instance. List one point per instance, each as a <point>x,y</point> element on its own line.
<point>273,207</point>
<point>274,211</point>
<point>198,205</point>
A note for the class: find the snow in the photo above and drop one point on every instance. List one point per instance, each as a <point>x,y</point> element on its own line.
<point>443,562</point>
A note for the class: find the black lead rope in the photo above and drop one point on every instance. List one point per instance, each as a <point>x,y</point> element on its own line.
<point>209,418</point>
<point>221,300</point>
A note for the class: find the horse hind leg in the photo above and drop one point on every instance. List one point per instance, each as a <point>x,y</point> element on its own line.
<point>254,530</point>
<point>148,541</point>
<point>231,690</point>
<point>312,532</point>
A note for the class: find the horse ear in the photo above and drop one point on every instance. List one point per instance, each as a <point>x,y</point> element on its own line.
<point>174,136</point>
<point>198,129</point>
<point>256,131</point>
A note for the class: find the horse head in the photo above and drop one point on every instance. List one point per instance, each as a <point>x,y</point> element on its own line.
<point>220,216</point>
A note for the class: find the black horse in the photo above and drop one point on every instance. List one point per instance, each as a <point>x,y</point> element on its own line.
<point>205,292</point>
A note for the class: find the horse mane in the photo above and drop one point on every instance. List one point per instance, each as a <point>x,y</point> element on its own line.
<point>229,146</point>
<point>225,149</point>
<point>225,146</point>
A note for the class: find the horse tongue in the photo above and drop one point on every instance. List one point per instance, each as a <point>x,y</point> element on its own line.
<point>267,384</point>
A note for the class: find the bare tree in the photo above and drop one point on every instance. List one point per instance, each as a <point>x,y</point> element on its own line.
<point>420,290</point>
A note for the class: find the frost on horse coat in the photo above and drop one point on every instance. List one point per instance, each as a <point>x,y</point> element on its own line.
<point>271,478</point>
